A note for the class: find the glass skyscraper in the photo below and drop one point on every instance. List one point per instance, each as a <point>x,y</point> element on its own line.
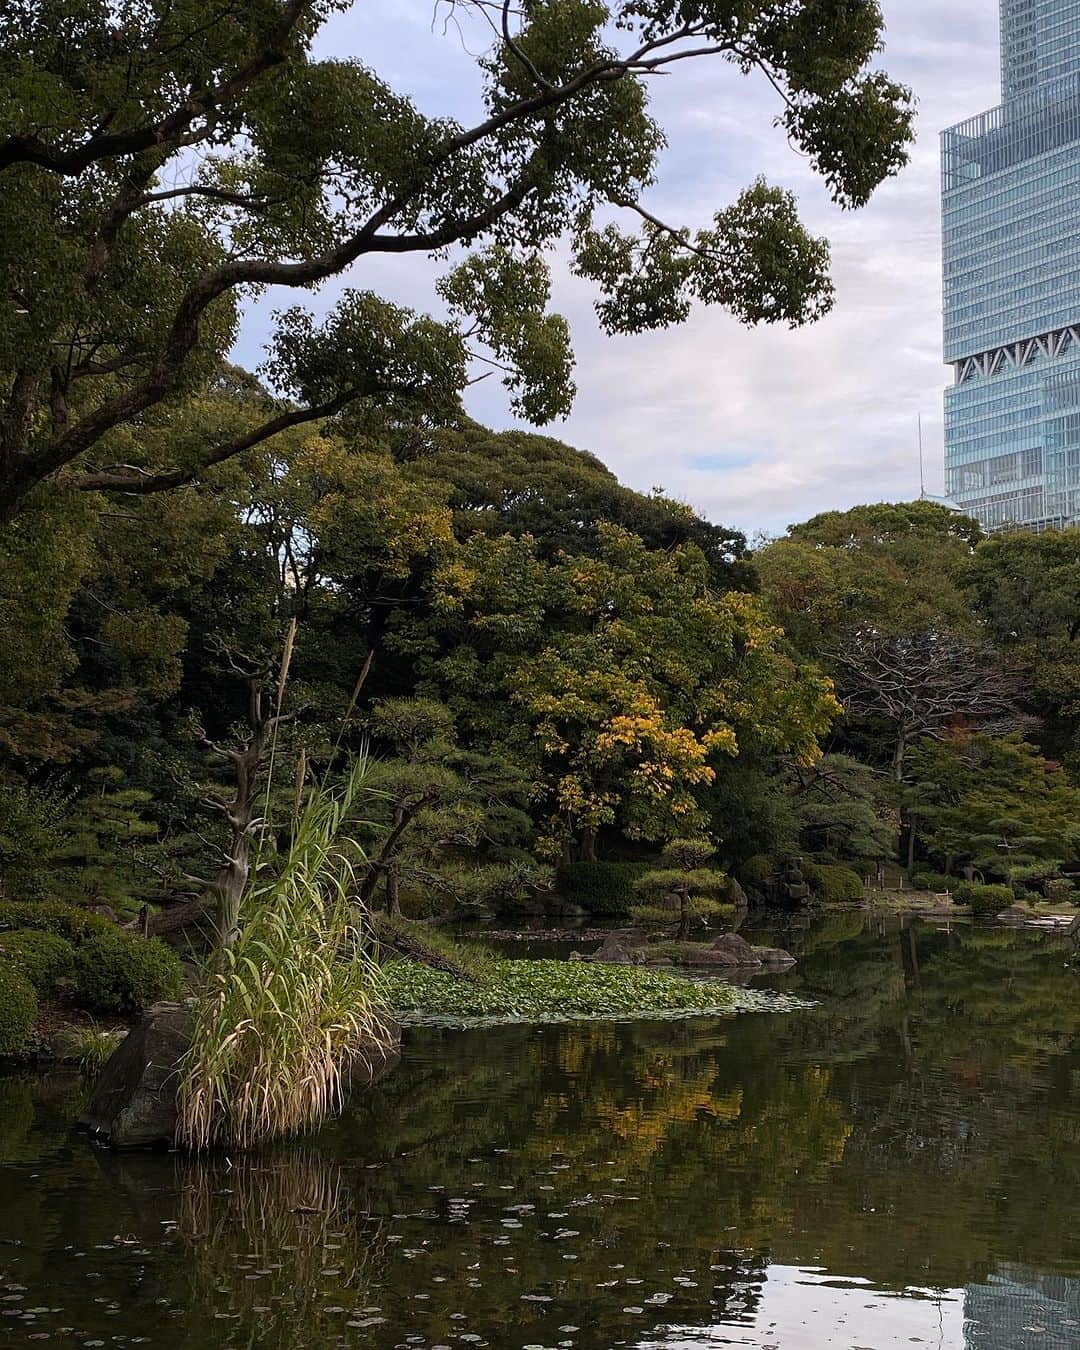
<point>1011,240</point>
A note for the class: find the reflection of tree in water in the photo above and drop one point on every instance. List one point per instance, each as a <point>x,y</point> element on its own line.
<point>918,1127</point>
<point>275,1248</point>
<point>964,1101</point>
<point>632,1156</point>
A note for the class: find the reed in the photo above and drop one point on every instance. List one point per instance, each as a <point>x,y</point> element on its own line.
<point>297,997</point>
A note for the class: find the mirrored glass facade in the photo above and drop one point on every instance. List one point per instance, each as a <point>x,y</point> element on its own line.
<point>1011,239</point>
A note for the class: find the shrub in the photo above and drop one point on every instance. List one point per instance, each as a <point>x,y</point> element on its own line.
<point>833,882</point>
<point>42,957</point>
<point>984,899</point>
<point>1059,891</point>
<point>605,888</point>
<point>122,972</point>
<point>50,916</point>
<point>934,881</point>
<point>18,1009</point>
<point>756,871</point>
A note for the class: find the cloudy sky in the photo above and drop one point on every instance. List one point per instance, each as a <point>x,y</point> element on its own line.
<point>756,428</point>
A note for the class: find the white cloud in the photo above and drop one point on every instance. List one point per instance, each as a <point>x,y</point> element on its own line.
<point>804,420</point>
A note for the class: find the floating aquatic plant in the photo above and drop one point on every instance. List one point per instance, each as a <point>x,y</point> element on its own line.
<point>561,991</point>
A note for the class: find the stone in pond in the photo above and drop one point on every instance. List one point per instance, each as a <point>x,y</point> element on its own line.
<point>133,1104</point>
<point>622,947</point>
<point>733,950</point>
<point>774,956</point>
<point>736,948</point>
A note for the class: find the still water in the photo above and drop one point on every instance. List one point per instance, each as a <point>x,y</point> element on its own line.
<point>899,1166</point>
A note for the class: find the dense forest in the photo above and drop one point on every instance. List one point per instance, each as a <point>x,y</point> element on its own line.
<point>546,670</point>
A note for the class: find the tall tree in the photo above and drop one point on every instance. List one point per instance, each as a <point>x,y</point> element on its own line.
<point>896,568</point>
<point>624,677</point>
<point>162,162</point>
<point>995,806</point>
<point>1026,589</point>
<point>927,686</point>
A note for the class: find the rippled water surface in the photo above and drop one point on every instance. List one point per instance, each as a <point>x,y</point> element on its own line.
<point>899,1166</point>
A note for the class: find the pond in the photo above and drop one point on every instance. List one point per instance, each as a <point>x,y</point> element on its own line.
<point>899,1166</point>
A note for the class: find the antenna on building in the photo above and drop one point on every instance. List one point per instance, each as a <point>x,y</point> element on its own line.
<point>922,472</point>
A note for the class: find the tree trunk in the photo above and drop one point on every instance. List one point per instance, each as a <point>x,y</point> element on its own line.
<point>684,917</point>
<point>587,850</point>
<point>241,813</point>
<point>913,829</point>
<point>393,906</point>
<point>899,755</point>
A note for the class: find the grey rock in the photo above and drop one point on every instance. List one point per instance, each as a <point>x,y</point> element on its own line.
<point>774,956</point>
<point>736,895</point>
<point>738,948</point>
<point>621,947</point>
<point>133,1104</point>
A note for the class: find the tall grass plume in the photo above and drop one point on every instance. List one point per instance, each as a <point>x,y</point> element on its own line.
<point>287,1008</point>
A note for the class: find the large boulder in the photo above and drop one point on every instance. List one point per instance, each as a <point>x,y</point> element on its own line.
<point>134,1105</point>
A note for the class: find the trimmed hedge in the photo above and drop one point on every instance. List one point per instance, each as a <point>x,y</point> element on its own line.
<point>18,1009</point>
<point>42,957</point>
<point>603,888</point>
<point>984,899</point>
<point>123,972</point>
<point>834,882</point>
<point>50,916</point>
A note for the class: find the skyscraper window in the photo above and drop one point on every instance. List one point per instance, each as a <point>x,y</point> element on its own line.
<point>1011,239</point>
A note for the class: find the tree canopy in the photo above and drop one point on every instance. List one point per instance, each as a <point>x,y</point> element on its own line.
<point>162,164</point>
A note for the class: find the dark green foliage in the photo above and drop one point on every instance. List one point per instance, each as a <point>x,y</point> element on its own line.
<point>984,899</point>
<point>756,871</point>
<point>18,1009</point>
<point>42,957</point>
<point>938,882</point>
<point>102,834</point>
<point>29,835</point>
<point>833,882</point>
<point>840,809</point>
<point>1026,589</point>
<point>605,889</point>
<point>993,804</point>
<point>122,972</point>
<point>50,916</point>
<point>686,880</point>
<point>1060,891</point>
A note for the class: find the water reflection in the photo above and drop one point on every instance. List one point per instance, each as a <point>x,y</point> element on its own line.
<point>898,1166</point>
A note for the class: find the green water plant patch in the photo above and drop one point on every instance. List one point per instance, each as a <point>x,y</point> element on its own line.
<point>561,991</point>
